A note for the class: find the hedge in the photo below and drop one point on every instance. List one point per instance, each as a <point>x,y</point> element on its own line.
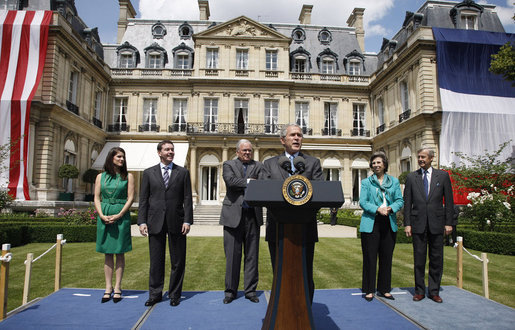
<point>17,235</point>
<point>486,241</point>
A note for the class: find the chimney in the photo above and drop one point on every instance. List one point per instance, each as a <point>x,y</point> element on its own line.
<point>127,11</point>
<point>356,21</point>
<point>305,14</point>
<point>203,6</point>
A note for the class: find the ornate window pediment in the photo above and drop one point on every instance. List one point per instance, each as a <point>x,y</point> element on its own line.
<point>183,56</point>
<point>327,56</point>
<point>466,14</point>
<point>185,31</point>
<point>298,35</point>
<point>155,56</point>
<point>158,30</point>
<point>354,62</point>
<point>325,37</point>
<point>300,60</point>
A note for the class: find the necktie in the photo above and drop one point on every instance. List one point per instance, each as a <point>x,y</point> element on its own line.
<point>166,175</point>
<point>245,170</point>
<point>292,166</point>
<point>426,184</point>
<point>244,204</point>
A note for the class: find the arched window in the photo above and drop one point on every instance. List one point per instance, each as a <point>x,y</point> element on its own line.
<point>158,30</point>
<point>182,57</point>
<point>325,37</point>
<point>185,31</point>
<point>155,57</point>
<point>298,35</point>
<point>128,56</point>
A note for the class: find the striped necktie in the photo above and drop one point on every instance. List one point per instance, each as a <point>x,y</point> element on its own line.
<point>166,175</point>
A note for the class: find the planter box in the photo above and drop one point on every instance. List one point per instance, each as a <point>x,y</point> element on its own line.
<point>66,196</point>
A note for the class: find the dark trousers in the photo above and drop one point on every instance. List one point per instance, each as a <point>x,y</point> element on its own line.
<point>245,236</point>
<point>420,244</point>
<point>157,249</point>
<point>380,242</point>
<point>310,253</point>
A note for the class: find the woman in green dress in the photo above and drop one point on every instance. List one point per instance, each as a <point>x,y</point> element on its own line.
<point>114,194</point>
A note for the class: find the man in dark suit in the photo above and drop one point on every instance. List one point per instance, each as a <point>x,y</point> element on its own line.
<point>165,208</point>
<point>241,224</point>
<point>426,219</point>
<point>291,139</point>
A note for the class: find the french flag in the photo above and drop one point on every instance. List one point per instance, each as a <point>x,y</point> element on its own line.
<point>478,107</point>
<point>23,40</point>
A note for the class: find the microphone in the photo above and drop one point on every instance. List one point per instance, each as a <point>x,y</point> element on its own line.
<point>299,164</point>
<point>284,162</point>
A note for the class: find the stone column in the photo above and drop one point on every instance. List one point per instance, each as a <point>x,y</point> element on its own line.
<point>193,173</point>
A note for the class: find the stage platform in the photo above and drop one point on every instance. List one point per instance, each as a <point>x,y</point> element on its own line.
<point>71,308</point>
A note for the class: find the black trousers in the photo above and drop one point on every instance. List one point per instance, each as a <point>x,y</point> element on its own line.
<point>246,237</point>
<point>157,249</point>
<point>420,251</point>
<point>380,242</point>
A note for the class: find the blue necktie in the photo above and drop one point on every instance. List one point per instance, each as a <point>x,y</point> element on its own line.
<point>426,184</point>
<point>166,176</point>
<point>292,166</point>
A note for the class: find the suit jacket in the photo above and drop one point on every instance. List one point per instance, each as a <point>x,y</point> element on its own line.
<point>236,184</point>
<point>273,171</point>
<point>158,203</point>
<point>369,203</point>
<point>420,213</point>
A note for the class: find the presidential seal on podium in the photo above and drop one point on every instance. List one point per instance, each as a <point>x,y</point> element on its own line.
<point>297,190</point>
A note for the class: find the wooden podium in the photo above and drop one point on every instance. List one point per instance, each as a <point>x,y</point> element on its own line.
<point>290,306</point>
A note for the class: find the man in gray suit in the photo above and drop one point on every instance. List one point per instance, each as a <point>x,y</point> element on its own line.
<point>165,208</point>
<point>426,218</point>
<point>241,224</point>
<point>291,139</point>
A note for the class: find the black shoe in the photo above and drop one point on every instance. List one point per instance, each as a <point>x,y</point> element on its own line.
<point>228,300</point>
<point>369,298</point>
<point>382,295</point>
<point>253,298</point>
<point>175,302</point>
<point>117,297</point>
<point>106,299</point>
<point>152,301</point>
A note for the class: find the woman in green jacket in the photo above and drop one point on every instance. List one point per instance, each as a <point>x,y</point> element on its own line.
<point>380,199</point>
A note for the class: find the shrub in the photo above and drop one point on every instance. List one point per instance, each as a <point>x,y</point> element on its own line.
<point>17,234</point>
<point>492,242</point>
<point>5,199</point>
<point>490,211</point>
<point>68,171</point>
<point>79,217</point>
<point>402,177</point>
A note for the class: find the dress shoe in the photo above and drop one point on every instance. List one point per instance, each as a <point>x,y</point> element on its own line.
<point>117,297</point>
<point>228,300</point>
<point>436,298</point>
<point>253,298</point>
<point>369,298</point>
<point>382,295</point>
<point>152,301</point>
<point>174,302</point>
<point>418,297</point>
<point>106,297</point>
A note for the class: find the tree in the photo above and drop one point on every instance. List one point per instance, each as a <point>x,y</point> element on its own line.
<point>504,62</point>
<point>5,153</point>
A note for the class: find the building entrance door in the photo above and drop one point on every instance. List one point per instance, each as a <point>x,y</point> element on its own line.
<point>209,188</point>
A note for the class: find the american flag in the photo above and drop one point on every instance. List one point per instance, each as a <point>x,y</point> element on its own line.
<point>23,38</point>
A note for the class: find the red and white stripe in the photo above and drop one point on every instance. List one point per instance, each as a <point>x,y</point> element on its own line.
<point>23,40</point>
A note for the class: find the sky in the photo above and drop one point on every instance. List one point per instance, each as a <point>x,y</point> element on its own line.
<point>382,18</point>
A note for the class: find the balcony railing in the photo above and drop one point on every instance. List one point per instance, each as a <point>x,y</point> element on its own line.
<point>97,122</point>
<point>404,116</point>
<point>242,73</point>
<point>118,127</point>
<point>359,132</point>
<point>301,76</point>
<point>177,127</point>
<point>232,129</point>
<point>271,74</point>
<point>181,72</point>
<point>72,107</point>
<point>148,128</point>
<point>151,72</point>
<point>380,129</point>
<point>331,132</point>
<point>330,77</point>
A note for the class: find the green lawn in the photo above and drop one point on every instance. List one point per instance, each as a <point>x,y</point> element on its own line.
<point>337,265</point>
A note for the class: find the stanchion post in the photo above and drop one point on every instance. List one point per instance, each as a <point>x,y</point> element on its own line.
<point>28,275</point>
<point>4,279</point>
<point>484,258</point>
<point>459,263</point>
<point>58,261</point>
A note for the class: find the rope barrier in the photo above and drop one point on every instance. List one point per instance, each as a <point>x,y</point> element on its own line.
<point>50,249</point>
<point>7,257</point>
<point>472,255</point>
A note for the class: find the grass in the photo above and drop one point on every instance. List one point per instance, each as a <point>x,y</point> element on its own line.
<point>337,265</point>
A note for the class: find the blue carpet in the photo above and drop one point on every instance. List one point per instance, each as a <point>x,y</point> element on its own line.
<point>205,310</point>
<point>347,309</point>
<point>460,310</point>
<point>80,309</point>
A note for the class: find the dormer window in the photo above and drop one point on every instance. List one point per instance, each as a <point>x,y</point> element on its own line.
<point>327,62</point>
<point>468,21</point>
<point>185,31</point>
<point>354,63</point>
<point>128,56</point>
<point>354,68</point>
<point>155,57</point>
<point>158,30</point>
<point>298,35</point>
<point>466,14</point>
<point>300,60</point>
<point>183,57</point>
<point>325,37</point>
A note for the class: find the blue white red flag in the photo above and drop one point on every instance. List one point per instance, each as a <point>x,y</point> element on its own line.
<point>23,41</point>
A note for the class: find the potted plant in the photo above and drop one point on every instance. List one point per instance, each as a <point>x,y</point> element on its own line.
<point>89,177</point>
<point>67,171</point>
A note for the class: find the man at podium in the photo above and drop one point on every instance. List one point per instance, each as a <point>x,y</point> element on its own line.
<point>280,167</point>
